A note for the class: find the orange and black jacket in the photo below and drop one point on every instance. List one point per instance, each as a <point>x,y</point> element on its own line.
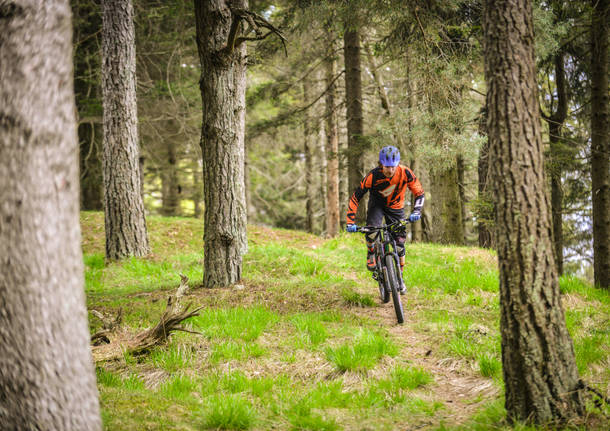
<point>388,192</point>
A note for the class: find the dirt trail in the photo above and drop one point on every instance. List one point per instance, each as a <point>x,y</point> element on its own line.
<point>458,386</point>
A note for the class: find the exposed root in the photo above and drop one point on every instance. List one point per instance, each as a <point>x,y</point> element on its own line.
<point>122,343</point>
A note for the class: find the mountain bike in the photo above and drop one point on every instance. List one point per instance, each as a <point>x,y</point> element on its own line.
<point>387,271</point>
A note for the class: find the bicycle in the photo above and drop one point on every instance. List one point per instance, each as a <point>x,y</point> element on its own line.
<point>387,271</point>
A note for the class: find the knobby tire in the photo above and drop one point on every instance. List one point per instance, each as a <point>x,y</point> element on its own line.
<point>392,280</point>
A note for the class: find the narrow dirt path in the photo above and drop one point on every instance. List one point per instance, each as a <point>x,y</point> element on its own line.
<point>459,387</point>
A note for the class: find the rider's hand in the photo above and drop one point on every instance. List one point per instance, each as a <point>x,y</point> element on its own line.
<point>352,228</point>
<point>415,215</point>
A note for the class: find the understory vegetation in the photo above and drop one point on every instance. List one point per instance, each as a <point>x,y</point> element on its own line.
<point>304,343</point>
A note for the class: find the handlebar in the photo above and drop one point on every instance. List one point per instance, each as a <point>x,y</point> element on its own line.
<point>391,226</point>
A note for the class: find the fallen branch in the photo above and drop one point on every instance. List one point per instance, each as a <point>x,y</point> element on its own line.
<point>170,321</point>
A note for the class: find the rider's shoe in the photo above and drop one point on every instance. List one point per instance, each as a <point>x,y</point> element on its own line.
<point>403,288</point>
<point>370,261</point>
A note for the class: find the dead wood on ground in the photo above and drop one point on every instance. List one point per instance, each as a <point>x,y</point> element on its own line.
<point>117,343</point>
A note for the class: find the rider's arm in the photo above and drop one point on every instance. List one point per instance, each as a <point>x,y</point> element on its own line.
<point>417,190</point>
<point>354,200</point>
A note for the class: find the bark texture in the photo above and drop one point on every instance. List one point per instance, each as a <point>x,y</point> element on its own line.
<point>91,178</point>
<point>332,152</point>
<point>125,222</point>
<point>171,189</point>
<point>47,380</point>
<point>600,143</point>
<point>484,213</point>
<point>223,95</point>
<point>445,207</point>
<point>355,124</point>
<point>540,374</point>
<point>555,125</point>
<point>308,144</point>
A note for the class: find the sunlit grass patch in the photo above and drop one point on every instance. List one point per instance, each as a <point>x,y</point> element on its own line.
<point>107,378</point>
<point>236,323</point>
<point>419,406</point>
<point>228,412</point>
<point>394,389</point>
<point>363,353</point>
<point>441,269</point>
<point>303,417</point>
<point>357,299</point>
<point>406,378</point>
<point>310,329</point>
<point>133,382</point>
<point>489,365</point>
<point>178,387</point>
<point>591,350</point>
<point>172,358</point>
<point>236,382</point>
<point>235,350</point>
<point>571,284</point>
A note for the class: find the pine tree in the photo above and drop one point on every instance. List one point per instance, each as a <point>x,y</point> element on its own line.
<point>47,380</point>
<point>540,374</point>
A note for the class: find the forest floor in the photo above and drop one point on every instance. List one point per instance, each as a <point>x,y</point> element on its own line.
<point>305,344</point>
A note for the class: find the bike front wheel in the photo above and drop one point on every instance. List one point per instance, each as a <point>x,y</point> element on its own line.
<point>392,284</point>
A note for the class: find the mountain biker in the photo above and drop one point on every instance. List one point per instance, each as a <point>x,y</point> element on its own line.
<point>387,183</point>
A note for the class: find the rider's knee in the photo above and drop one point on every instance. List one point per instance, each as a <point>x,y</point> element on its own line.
<point>400,245</point>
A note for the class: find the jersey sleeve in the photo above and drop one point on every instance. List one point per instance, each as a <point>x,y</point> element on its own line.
<point>352,207</point>
<point>417,190</point>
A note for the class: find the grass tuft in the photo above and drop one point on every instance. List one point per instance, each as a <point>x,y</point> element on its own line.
<point>173,358</point>
<point>489,365</point>
<point>310,329</point>
<point>239,351</point>
<point>237,323</point>
<point>363,354</point>
<point>353,298</point>
<point>228,412</point>
<point>178,388</point>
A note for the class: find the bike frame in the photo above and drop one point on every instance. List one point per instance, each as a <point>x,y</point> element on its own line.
<point>384,244</point>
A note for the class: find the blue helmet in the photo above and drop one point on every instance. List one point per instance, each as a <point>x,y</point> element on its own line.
<point>389,156</point>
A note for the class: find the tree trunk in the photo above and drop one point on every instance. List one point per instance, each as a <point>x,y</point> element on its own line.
<point>332,151</point>
<point>540,374</point>
<point>555,125</point>
<point>323,176</point>
<point>171,188</point>
<point>308,150</point>
<point>124,210</point>
<point>355,126</point>
<point>484,213</point>
<point>91,178</point>
<point>383,95</point>
<point>461,172</point>
<point>197,187</point>
<point>600,143</point>
<point>416,228</point>
<point>47,380</point>
<point>445,209</point>
<point>223,95</point>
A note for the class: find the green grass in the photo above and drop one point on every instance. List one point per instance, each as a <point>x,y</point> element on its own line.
<point>311,331</point>
<point>237,323</point>
<point>362,353</point>
<point>178,387</point>
<point>238,351</point>
<point>307,344</point>
<point>228,412</point>
<point>353,298</point>
<point>173,358</point>
<point>489,365</point>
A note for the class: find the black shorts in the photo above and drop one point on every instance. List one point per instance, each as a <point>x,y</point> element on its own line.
<point>376,212</point>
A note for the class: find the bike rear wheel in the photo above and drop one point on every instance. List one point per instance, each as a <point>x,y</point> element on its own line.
<point>392,283</point>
